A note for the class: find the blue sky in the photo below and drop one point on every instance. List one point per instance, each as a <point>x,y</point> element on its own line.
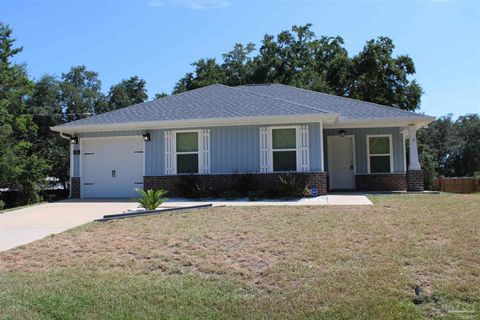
<point>158,39</point>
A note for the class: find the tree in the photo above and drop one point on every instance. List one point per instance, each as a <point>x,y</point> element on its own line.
<point>301,59</point>
<point>378,77</point>
<point>81,94</point>
<point>20,168</point>
<point>46,106</point>
<point>160,95</point>
<point>126,93</point>
<point>453,146</point>
<point>207,72</point>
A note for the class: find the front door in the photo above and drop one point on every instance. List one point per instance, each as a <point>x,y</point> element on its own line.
<point>341,170</point>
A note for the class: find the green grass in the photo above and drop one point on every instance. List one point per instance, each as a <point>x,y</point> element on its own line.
<point>258,263</point>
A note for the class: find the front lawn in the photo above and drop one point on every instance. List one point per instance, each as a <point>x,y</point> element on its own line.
<point>258,263</point>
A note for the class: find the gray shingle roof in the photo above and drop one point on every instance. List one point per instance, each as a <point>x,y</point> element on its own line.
<point>350,109</point>
<point>221,102</point>
<point>214,101</point>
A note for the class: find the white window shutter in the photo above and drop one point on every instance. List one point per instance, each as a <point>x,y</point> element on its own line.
<point>169,152</point>
<point>303,152</point>
<point>204,152</point>
<point>264,149</point>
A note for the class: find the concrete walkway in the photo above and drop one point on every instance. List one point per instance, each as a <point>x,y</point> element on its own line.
<point>28,224</point>
<point>21,226</point>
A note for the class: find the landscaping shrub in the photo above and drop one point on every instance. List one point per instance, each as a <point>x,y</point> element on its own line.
<point>290,186</point>
<point>150,200</point>
<point>190,186</point>
<point>2,205</point>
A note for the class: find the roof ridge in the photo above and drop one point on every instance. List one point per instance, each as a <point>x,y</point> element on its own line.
<point>279,99</point>
<point>347,98</point>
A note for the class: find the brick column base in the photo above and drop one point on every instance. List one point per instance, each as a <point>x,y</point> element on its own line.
<point>415,180</point>
<point>75,187</point>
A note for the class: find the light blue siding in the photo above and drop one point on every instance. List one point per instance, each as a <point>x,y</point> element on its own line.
<point>236,148</point>
<point>361,146</point>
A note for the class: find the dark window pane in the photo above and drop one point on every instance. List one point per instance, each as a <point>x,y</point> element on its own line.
<point>284,139</point>
<point>379,145</point>
<point>187,141</point>
<point>284,161</point>
<point>379,164</point>
<point>187,163</point>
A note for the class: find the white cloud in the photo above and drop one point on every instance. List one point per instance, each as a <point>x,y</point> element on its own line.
<point>193,4</point>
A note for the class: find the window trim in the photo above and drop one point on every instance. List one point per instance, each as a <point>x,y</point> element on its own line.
<point>271,150</point>
<point>390,141</point>
<point>175,152</point>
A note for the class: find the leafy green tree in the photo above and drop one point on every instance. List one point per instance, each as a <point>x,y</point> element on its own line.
<point>20,168</point>
<point>466,152</point>
<point>81,94</point>
<point>379,77</point>
<point>160,95</point>
<point>207,72</point>
<point>126,93</point>
<point>299,58</point>
<point>453,146</point>
<point>46,106</point>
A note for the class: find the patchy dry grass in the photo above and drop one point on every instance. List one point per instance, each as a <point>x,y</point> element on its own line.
<point>269,262</point>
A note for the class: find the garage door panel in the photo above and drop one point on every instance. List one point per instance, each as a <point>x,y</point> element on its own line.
<point>112,167</point>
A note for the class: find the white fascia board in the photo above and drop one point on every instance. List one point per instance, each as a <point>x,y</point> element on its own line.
<point>419,122</point>
<point>197,123</point>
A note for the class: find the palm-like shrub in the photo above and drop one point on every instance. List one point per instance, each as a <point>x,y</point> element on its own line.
<point>151,199</point>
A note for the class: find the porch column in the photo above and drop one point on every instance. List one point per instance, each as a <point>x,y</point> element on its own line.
<point>413,149</point>
<point>414,173</point>
<point>322,156</point>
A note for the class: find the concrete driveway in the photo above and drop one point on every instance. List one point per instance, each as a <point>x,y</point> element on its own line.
<point>28,224</point>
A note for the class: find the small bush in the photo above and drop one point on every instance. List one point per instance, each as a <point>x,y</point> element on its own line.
<point>290,186</point>
<point>2,205</point>
<point>150,200</point>
<point>192,187</point>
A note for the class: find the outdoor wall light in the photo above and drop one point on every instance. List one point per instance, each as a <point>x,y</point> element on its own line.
<point>74,140</point>
<point>342,132</point>
<point>146,136</point>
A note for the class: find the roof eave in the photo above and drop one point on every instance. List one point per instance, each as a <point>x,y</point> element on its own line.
<point>195,123</point>
<point>418,121</point>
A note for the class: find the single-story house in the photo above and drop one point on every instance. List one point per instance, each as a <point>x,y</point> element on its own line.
<point>266,130</point>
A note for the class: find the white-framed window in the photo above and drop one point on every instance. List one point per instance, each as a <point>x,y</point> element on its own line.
<point>380,153</point>
<point>186,152</point>
<point>284,148</point>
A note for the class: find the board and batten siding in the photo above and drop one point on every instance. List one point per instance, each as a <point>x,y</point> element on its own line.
<point>233,149</point>
<point>237,148</point>
<point>361,146</point>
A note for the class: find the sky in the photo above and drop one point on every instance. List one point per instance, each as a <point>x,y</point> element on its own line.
<point>159,39</point>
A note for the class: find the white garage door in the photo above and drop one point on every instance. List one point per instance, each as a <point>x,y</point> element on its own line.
<point>111,167</point>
